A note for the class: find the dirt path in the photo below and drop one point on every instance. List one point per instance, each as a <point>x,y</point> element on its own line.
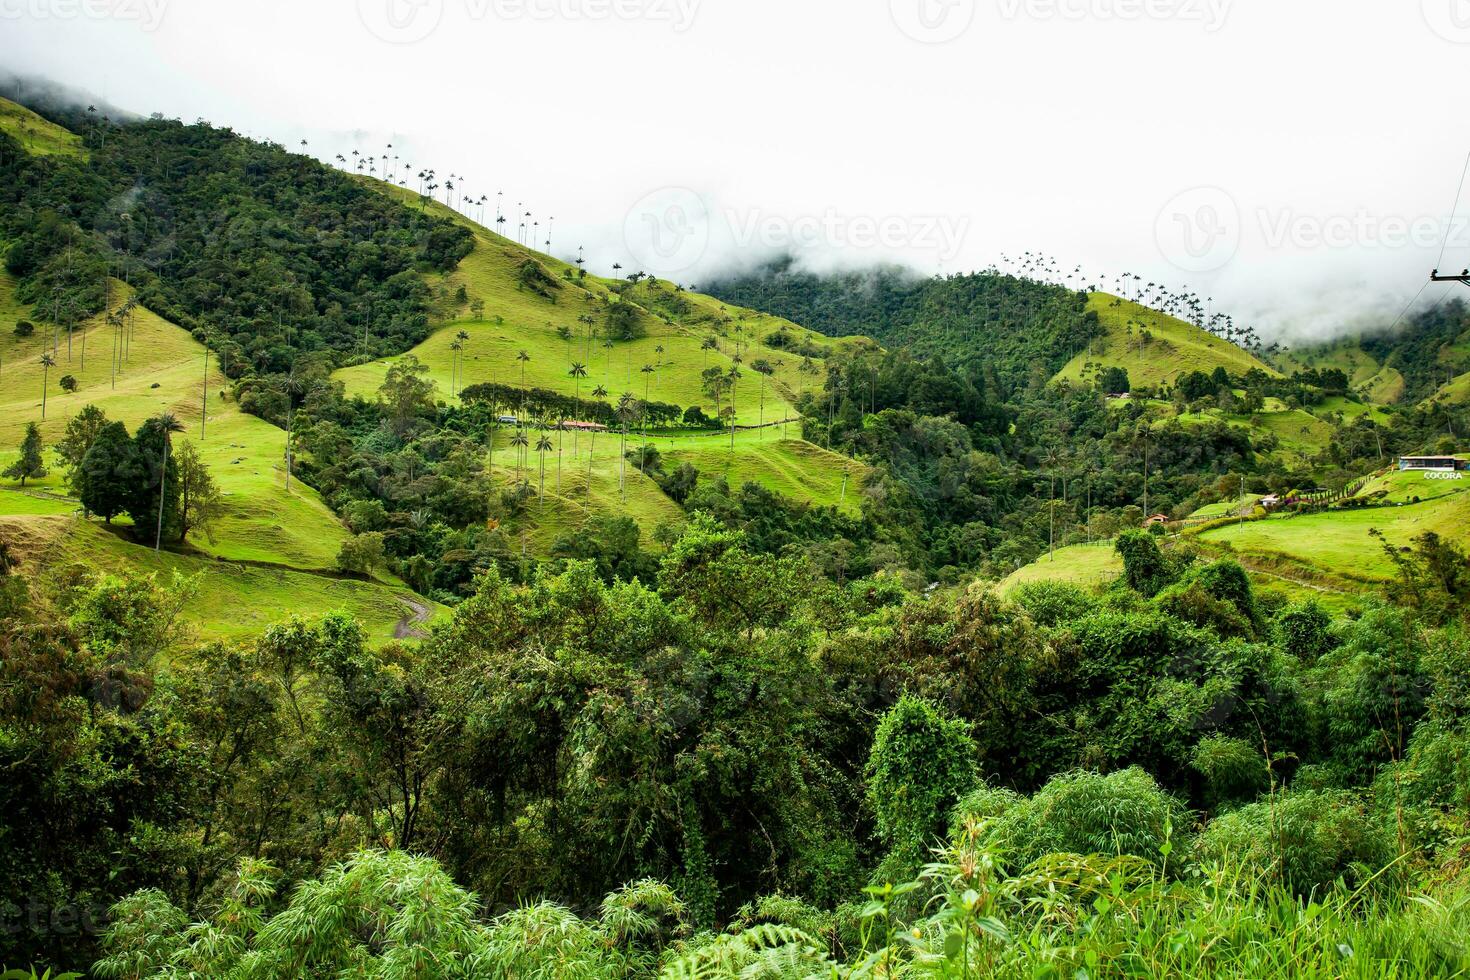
<point>407,627</point>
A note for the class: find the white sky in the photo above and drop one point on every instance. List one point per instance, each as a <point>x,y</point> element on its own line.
<point>678,136</point>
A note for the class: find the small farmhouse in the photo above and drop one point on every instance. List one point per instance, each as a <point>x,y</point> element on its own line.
<point>1441,463</point>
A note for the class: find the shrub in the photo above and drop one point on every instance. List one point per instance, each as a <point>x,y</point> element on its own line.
<point>1232,768</point>
<point>921,763</point>
<point>24,328</point>
<point>1307,838</point>
<point>1192,602</point>
<point>1145,568</point>
<point>1304,630</point>
<point>362,553</point>
<point>1124,812</point>
<point>1053,603</point>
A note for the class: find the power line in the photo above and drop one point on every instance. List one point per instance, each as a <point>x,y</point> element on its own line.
<point>1450,224</point>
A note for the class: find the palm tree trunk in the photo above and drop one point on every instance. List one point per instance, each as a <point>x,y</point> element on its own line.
<point>162,485</point>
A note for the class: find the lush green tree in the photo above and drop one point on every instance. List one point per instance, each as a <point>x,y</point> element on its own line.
<point>30,463</point>
<point>200,500</point>
<point>361,554</point>
<point>153,502</point>
<point>110,472</point>
<point>407,392</point>
<point>921,763</point>
<point>81,431</point>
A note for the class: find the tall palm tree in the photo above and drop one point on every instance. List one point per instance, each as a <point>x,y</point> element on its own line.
<point>543,446</point>
<point>523,357</point>
<point>519,441</point>
<point>578,372</point>
<point>780,363</point>
<point>625,411</point>
<point>454,349</point>
<point>170,425</point>
<point>47,363</point>
<point>733,375</point>
<point>463,337</point>
<point>646,370</point>
<point>1051,460</point>
<point>599,393</point>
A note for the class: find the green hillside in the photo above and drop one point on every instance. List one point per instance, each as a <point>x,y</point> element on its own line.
<point>1084,565</point>
<point>283,533</point>
<point>263,521</point>
<point>1335,545</point>
<point>1153,347</point>
<point>1371,379</point>
<point>1453,392</point>
<point>233,601</point>
<point>37,135</point>
<point>552,331</point>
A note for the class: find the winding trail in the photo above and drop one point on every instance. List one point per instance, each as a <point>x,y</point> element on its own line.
<point>407,627</point>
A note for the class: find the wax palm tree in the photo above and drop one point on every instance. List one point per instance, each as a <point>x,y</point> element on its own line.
<point>647,371</point>
<point>707,345</point>
<point>578,372</point>
<point>523,357</point>
<point>626,401</point>
<point>519,441</point>
<point>599,393</point>
<point>543,446</point>
<point>454,349</point>
<point>47,363</point>
<point>169,424</point>
<point>463,338</point>
<point>1051,460</point>
<point>732,376</point>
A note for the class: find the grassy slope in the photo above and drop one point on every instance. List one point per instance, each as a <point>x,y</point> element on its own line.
<point>1176,347</point>
<point>1084,565</point>
<point>1337,544</point>
<point>1453,392</point>
<point>791,467</point>
<point>262,521</point>
<point>530,322</point>
<point>233,601</point>
<point>37,136</point>
<point>1373,381</point>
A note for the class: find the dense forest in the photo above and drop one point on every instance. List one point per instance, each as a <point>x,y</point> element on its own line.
<point>702,769</point>
<point>1016,328</point>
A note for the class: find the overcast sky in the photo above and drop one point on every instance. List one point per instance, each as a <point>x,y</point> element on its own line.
<point>1295,159</point>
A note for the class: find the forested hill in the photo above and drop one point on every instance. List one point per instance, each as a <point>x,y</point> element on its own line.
<point>1017,326</point>
<point>273,253</point>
